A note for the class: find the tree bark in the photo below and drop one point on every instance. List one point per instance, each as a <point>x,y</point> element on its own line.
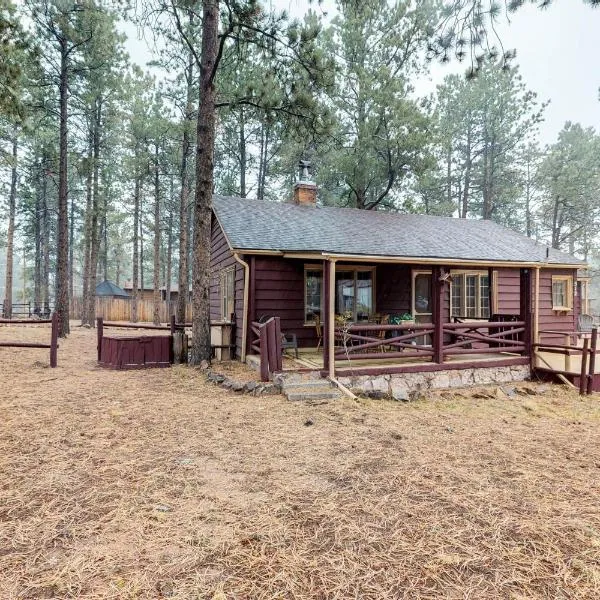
<point>205,147</point>
<point>87,234</point>
<point>45,244</point>
<point>169,273</point>
<point>135,259</point>
<point>62,242</point>
<point>156,274</point>
<point>37,232</point>
<point>95,233</point>
<point>10,235</point>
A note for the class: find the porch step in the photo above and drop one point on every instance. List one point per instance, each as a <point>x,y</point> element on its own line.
<point>310,390</point>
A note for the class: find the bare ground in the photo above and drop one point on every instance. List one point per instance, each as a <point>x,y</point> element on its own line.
<point>152,484</point>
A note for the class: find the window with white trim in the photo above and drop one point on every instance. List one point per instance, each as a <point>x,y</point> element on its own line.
<point>562,292</point>
<point>313,294</point>
<point>227,293</point>
<point>470,295</point>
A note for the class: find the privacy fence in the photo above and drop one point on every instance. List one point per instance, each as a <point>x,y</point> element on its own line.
<point>119,309</point>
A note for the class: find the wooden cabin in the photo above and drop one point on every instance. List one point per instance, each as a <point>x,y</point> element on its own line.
<point>367,292</point>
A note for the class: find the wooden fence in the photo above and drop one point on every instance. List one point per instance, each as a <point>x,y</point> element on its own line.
<point>119,309</point>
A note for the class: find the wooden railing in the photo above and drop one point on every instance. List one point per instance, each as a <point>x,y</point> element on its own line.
<point>372,341</point>
<point>359,342</point>
<point>267,343</point>
<point>484,337</point>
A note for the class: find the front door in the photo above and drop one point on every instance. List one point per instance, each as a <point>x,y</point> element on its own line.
<point>421,302</point>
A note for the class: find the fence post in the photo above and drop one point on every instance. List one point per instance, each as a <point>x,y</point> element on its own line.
<point>172,324</point>
<point>54,341</point>
<point>437,291</point>
<point>264,356</point>
<point>594,345</point>
<point>272,345</point>
<point>100,330</point>
<point>584,372</point>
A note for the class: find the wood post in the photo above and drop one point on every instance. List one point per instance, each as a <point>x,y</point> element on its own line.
<point>324,316</point>
<point>591,372</point>
<point>179,347</point>
<point>264,357</point>
<point>331,319</point>
<point>272,345</point>
<point>584,371</point>
<point>437,293</point>
<point>54,341</point>
<point>525,309</point>
<point>278,351</point>
<point>100,333</point>
<point>173,326</point>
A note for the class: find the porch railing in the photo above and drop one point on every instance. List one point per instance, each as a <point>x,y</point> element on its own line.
<point>372,341</point>
<point>267,343</point>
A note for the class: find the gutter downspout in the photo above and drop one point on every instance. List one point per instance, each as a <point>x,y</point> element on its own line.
<point>245,305</point>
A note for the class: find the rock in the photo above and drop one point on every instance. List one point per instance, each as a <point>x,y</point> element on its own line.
<point>270,389</point>
<point>376,395</point>
<point>308,422</point>
<point>400,393</point>
<point>380,384</point>
<point>416,396</point>
<point>250,386</point>
<point>204,365</point>
<point>227,383</point>
<point>509,391</point>
<point>237,386</point>
<point>163,508</point>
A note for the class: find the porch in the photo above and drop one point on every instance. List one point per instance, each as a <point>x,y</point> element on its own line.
<point>419,325</point>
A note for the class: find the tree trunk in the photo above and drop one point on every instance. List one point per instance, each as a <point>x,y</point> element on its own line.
<point>71,243</point>
<point>135,259</point>
<point>468,164</point>
<point>205,147</point>
<point>62,242</point>
<point>10,235</point>
<point>95,237</point>
<point>156,274</point>
<point>169,273</point>
<point>87,233</point>
<point>45,245</point>
<point>37,232</point>
<point>243,154</point>
<point>142,280</point>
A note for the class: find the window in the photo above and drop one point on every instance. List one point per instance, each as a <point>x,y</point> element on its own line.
<point>470,295</point>
<point>313,294</point>
<point>354,292</point>
<point>583,286</point>
<point>227,293</point>
<point>562,292</point>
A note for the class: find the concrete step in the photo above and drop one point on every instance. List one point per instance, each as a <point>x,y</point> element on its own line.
<point>306,384</point>
<point>324,394</point>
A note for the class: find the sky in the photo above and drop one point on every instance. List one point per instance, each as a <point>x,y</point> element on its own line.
<point>557,53</point>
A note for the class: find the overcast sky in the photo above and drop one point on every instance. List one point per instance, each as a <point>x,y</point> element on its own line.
<point>558,51</point>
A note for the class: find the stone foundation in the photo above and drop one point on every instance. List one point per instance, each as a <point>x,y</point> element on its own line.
<point>404,386</point>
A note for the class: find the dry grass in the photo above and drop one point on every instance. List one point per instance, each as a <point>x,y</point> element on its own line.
<point>152,484</point>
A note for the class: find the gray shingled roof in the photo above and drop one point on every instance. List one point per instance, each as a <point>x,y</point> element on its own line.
<point>108,288</point>
<point>261,225</point>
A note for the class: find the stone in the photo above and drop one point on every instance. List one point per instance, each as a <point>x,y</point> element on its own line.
<point>162,508</point>
<point>204,365</point>
<point>237,386</point>
<point>376,395</point>
<point>227,383</point>
<point>308,422</point>
<point>250,386</point>
<point>400,393</point>
<point>509,391</point>
<point>270,389</point>
<point>416,396</point>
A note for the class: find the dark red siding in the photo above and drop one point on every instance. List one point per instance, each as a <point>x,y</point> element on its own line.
<point>551,319</point>
<point>221,258</point>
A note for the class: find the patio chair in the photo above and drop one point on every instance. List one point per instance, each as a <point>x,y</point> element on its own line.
<point>318,331</point>
<point>585,323</point>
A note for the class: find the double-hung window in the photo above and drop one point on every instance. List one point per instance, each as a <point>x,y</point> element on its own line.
<point>562,292</point>
<point>227,293</point>
<point>470,295</point>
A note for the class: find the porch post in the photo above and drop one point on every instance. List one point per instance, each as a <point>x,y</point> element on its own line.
<point>526,308</point>
<point>325,317</point>
<point>437,293</point>
<point>331,319</point>
<point>491,290</point>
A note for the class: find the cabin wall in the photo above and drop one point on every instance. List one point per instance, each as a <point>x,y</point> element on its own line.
<point>279,292</point>
<point>221,258</point>
<point>555,320</point>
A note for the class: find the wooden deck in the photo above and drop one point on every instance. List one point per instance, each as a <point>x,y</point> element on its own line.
<point>310,358</point>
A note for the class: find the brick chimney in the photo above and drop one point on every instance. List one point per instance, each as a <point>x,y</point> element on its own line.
<point>305,190</point>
